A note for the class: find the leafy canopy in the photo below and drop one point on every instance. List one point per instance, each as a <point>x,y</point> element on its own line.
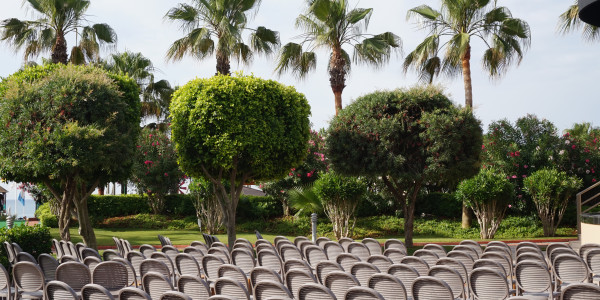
<point>240,125</point>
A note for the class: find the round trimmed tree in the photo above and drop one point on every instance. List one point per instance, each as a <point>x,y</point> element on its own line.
<point>70,128</point>
<point>409,138</point>
<point>239,129</point>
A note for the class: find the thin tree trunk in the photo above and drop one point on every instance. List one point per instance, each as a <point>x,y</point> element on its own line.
<point>466,69</point>
<point>223,65</point>
<point>337,77</point>
<point>466,216</point>
<point>286,207</point>
<point>59,50</point>
<point>86,230</point>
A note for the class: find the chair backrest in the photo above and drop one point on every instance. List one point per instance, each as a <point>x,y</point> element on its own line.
<point>475,245</point>
<point>73,250</point>
<point>455,264</point>
<point>156,284</point>
<point>322,240</point>
<point>289,251</point>
<point>526,244</point>
<point>345,241</point>
<point>486,283</point>
<point>299,239</point>
<point>187,265</point>
<point>311,291</point>
<point>394,244</point>
<point>153,265</point>
<point>533,277</point>
<point>110,254</point>
<point>362,293</point>
<point>363,271</point>
<point>360,250</point>
<point>87,252</point>
<point>65,247</point>
<point>24,256</point>
<point>416,262</point>
<point>373,245</point>
<point>450,276</point>
<point>570,268</point>
<point>259,274</point>
<point>406,274</point>
<point>280,243</point>
<point>295,278</point>
<point>529,249</point>
<point>325,267</point>
<point>497,244</point>
<point>429,256</point>
<point>296,264</point>
<point>468,249</point>
<point>112,275</point>
<point>560,251</point>
<point>202,246</point>
<point>592,258</point>
<point>500,258</point>
<point>488,263</point>
<point>174,295</point>
<point>340,282</point>
<point>57,248</point>
<point>332,249</point>
<point>394,254</point>
<point>427,287</point>
<point>195,252</point>
<point>160,256</point>
<point>210,265</point>
<point>231,287</point>
<point>437,249</point>
<point>132,275</point>
<point>73,273</point>
<point>119,245</point>
<point>585,248</point>
<point>389,286</point>
<point>531,256</point>
<point>194,286</point>
<point>220,252</point>
<point>91,262</point>
<point>136,258</point>
<point>147,250</point>
<point>502,250</point>
<point>346,260</point>
<point>381,262</point>
<point>170,251</point>
<point>262,241</point>
<point>126,246</point>
<point>267,289</point>
<point>28,276</point>
<point>303,244</point>
<point>280,238</point>
<point>58,290</point>
<point>314,254</point>
<point>233,272</point>
<point>270,259</point>
<point>68,258</point>
<point>95,292</point>
<point>553,246</point>
<point>244,259</point>
<point>131,293</point>
<point>5,281</point>
<point>580,291</point>
<point>464,257</point>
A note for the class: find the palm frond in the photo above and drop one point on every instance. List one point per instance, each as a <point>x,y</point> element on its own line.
<point>264,40</point>
<point>305,199</point>
<point>77,56</point>
<point>293,59</point>
<point>197,43</point>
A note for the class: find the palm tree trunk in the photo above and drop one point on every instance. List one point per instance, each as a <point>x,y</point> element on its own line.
<point>222,64</point>
<point>466,68</point>
<point>337,77</point>
<point>59,50</point>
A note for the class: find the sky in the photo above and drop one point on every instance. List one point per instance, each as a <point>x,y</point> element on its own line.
<point>556,80</point>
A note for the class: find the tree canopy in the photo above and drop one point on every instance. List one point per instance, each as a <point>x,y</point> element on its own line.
<point>410,138</point>
<point>71,128</point>
<point>238,129</point>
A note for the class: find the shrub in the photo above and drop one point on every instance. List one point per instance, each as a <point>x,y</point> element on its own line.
<point>149,221</point>
<point>46,217</point>
<point>33,239</point>
<point>340,196</point>
<point>258,208</point>
<point>206,204</point>
<point>439,205</point>
<point>108,206</point>
<point>488,194</point>
<point>179,205</point>
<point>550,190</point>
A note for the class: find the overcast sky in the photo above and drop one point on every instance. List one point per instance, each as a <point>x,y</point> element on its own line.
<point>557,79</point>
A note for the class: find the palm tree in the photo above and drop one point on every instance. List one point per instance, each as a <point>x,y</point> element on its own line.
<point>569,21</point>
<point>458,22</point>
<point>331,25</point>
<point>56,19</point>
<point>154,95</point>
<point>220,22</point>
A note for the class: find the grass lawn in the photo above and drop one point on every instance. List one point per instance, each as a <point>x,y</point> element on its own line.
<point>184,237</point>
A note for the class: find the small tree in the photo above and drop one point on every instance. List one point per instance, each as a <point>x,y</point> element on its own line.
<point>488,194</point>
<point>340,195</point>
<point>70,128</point>
<point>206,204</point>
<point>238,129</point>
<point>550,190</point>
<point>155,169</point>
<point>408,138</point>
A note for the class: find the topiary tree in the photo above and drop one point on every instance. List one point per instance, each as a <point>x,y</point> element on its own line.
<point>238,129</point>
<point>70,128</point>
<point>340,196</point>
<point>488,194</point>
<point>550,190</point>
<point>409,138</point>
<point>155,169</point>
<point>206,204</point>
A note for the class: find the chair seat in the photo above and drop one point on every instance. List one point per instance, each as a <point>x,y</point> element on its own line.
<point>541,296</point>
<point>4,292</point>
<point>32,295</point>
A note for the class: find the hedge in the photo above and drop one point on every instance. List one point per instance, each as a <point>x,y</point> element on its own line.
<point>32,239</point>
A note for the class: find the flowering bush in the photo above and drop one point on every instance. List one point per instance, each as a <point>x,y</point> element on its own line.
<point>155,170</point>
<point>579,153</point>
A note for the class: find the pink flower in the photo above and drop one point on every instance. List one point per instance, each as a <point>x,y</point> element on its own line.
<point>290,174</point>
<point>509,206</point>
<point>517,153</point>
<point>525,166</point>
<point>150,135</point>
<point>594,180</point>
<point>514,176</point>
<point>587,161</point>
<point>482,146</point>
<point>139,146</point>
<point>524,176</point>
<point>573,147</point>
<point>148,162</point>
<point>166,174</point>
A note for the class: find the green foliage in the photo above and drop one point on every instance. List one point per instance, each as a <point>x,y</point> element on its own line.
<point>45,215</point>
<point>150,221</point>
<point>579,153</point>
<point>258,208</point>
<point>551,190</point>
<point>439,205</point>
<point>33,239</point>
<point>155,169</point>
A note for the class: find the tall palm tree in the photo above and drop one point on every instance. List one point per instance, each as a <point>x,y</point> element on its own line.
<point>56,19</point>
<point>154,95</point>
<point>569,21</point>
<point>453,27</point>
<point>220,22</point>
<point>332,25</point>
